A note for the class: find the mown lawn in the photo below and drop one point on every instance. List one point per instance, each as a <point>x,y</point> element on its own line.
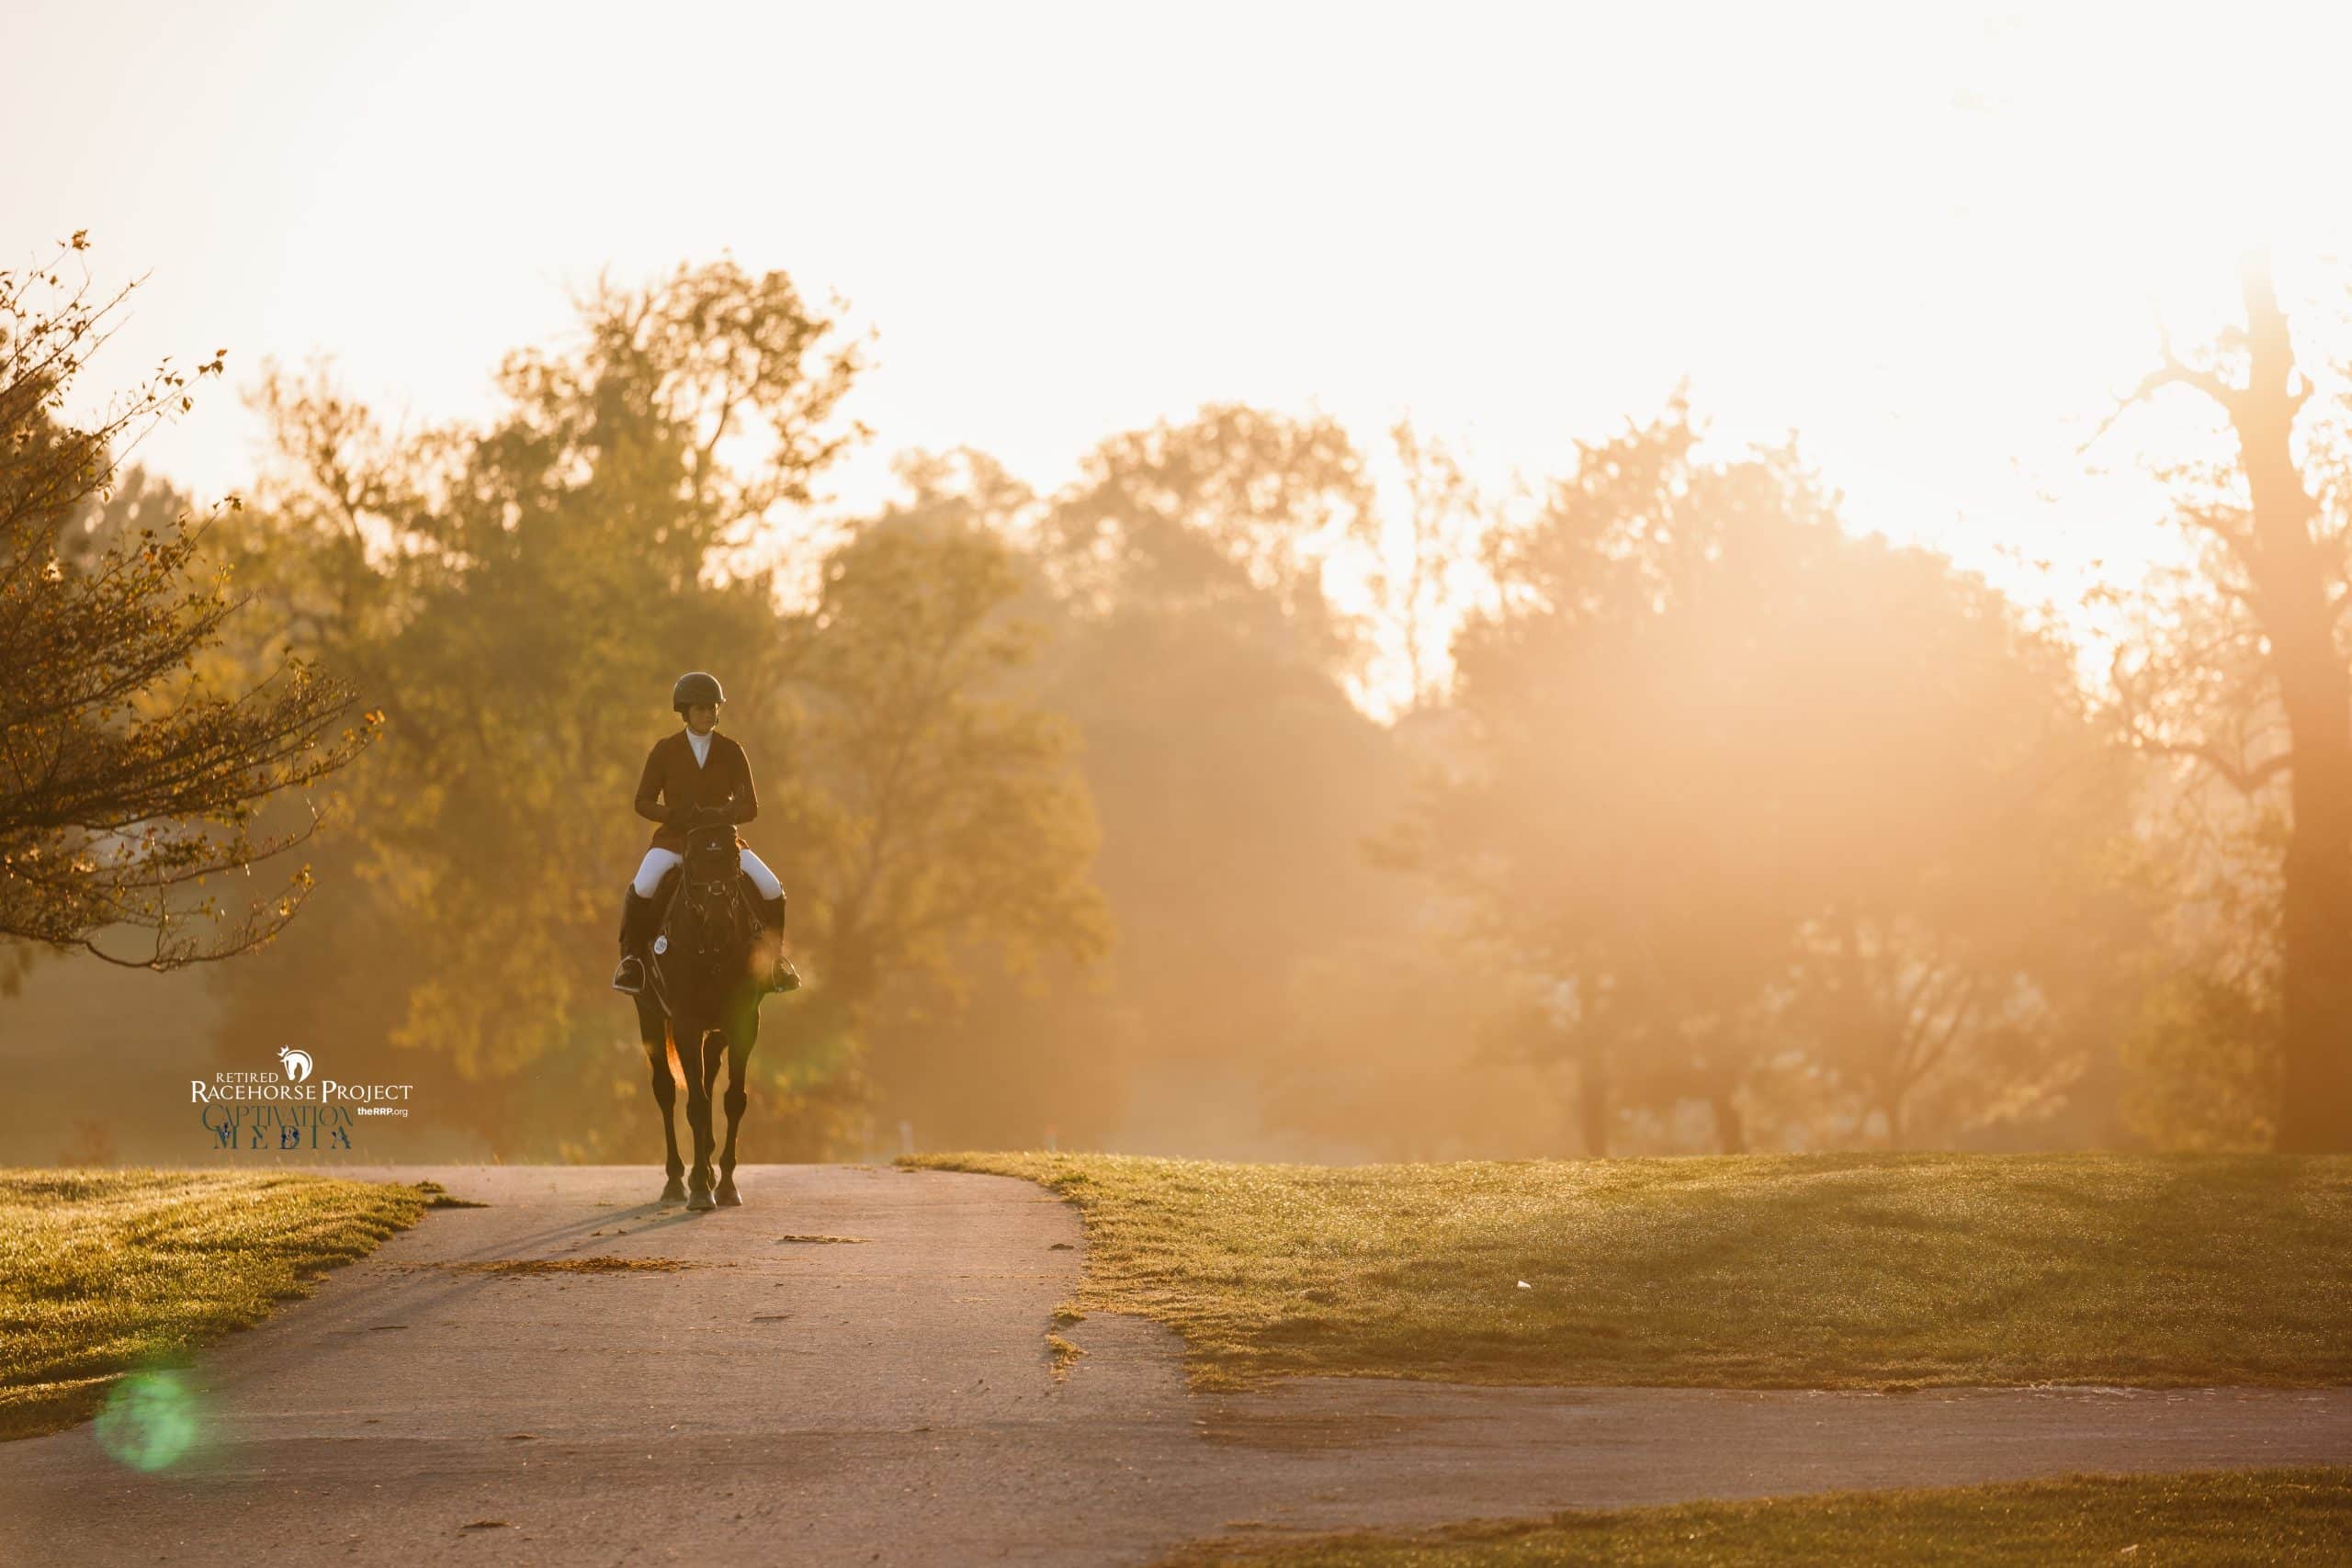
<point>2281,1518</point>
<point>104,1272</point>
<point>1821,1271</point>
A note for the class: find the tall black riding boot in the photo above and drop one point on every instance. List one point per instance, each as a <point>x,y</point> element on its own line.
<point>636,913</point>
<point>782,975</point>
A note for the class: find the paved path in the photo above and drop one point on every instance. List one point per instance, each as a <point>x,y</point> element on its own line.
<point>891,1400</point>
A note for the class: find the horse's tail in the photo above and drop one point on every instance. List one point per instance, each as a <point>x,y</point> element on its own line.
<point>670,1044</point>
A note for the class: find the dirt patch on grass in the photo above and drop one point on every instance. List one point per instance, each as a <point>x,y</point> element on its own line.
<point>438,1197</point>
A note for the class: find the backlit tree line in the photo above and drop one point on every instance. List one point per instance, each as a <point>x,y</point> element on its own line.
<point>1702,819</point>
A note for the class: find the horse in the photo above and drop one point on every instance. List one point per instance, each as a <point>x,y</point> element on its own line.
<point>703,978</point>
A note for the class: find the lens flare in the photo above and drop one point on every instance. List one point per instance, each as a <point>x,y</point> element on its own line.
<point>150,1419</point>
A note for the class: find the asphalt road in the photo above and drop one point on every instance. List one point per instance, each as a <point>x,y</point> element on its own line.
<point>891,1399</point>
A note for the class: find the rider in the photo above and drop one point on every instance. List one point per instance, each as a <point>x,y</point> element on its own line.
<point>696,767</point>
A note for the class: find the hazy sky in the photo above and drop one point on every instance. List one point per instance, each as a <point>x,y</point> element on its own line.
<point>1932,240</point>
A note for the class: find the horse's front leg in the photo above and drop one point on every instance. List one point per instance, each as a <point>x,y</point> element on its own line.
<point>741,1036</point>
<point>653,1028</point>
<point>701,1063</point>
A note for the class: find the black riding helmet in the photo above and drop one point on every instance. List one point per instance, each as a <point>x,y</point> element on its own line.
<point>695,687</point>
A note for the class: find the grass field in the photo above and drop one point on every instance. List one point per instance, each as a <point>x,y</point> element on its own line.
<point>104,1272</point>
<point>1824,1271</point>
<point>2280,1519</point>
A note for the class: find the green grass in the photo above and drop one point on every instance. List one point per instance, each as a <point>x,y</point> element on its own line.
<point>2276,1517</point>
<point>1767,1271</point>
<point>102,1272</point>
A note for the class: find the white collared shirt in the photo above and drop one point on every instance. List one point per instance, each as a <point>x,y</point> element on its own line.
<point>701,744</point>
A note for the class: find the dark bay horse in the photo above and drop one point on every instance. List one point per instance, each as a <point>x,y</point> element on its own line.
<point>703,986</point>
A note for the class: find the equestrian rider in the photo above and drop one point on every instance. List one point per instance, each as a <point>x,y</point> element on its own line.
<point>694,767</point>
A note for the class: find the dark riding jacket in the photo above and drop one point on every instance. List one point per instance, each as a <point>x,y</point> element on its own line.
<point>672,782</point>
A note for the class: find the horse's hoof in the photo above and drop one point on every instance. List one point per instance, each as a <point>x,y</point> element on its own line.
<point>675,1193</point>
<point>728,1197</point>
<point>700,1200</point>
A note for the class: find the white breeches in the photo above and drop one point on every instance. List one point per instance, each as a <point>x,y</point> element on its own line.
<point>657,862</point>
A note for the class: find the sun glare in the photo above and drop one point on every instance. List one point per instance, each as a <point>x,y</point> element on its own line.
<point>1936,243</point>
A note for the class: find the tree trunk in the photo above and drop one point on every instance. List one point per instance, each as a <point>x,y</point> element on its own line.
<point>2290,583</point>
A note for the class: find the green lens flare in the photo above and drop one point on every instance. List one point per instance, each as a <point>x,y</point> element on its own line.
<point>149,1421</point>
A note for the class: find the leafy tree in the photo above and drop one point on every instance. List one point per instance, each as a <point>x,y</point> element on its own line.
<point>932,809</point>
<point>1230,513</point>
<point>935,801</point>
<point>1179,579</point>
<point>1758,796</point>
<point>1989,897</point>
<point>130,774</point>
<point>526,592</point>
<point>1233,777</point>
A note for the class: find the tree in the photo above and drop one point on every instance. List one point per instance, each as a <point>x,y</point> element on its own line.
<point>128,775</point>
<point>1231,512</point>
<point>1203,664</point>
<point>2200,1053</point>
<point>934,804</point>
<point>1595,827</point>
<point>2279,560</point>
<point>523,594</point>
<point>526,590</point>
<point>1416,580</point>
<point>1982,896</point>
<point>1759,796</point>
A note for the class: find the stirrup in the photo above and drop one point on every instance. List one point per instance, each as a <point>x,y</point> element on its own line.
<point>628,977</point>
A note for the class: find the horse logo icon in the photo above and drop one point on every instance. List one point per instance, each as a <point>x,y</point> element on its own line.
<point>297,1063</point>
